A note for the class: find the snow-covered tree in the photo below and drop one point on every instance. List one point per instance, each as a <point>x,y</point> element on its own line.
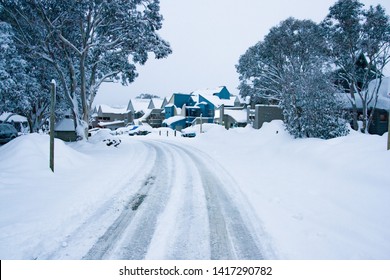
<point>87,42</point>
<point>13,76</point>
<point>291,67</point>
<point>359,42</point>
<point>22,82</point>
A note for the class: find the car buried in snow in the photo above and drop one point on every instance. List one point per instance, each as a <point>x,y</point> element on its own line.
<point>139,130</point>
<point>7,133</point>
<point>189,134</point>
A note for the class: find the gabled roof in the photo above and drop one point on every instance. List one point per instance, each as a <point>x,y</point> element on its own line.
<point>138,105</point>
<point>213,96</point>
<point>105,109</point>
<point>217,102</point>
<point>159,103</point>
<point>208,91</point>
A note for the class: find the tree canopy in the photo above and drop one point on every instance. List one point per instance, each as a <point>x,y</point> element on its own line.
<point>86,42</point>
<point>290,67</point>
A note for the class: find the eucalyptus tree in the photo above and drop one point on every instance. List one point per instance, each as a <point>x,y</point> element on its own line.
<point>87,42</point>
<point>290,66</point>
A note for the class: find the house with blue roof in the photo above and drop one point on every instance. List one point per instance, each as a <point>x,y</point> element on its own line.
<point>184,110</point>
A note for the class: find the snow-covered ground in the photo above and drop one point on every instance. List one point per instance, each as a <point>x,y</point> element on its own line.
<point>295,198</point>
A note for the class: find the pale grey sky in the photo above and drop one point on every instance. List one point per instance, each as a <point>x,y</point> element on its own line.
<point>207,38</point>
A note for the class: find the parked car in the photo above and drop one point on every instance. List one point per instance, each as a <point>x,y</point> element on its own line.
<point>140,130</point>
<point>189,134</point>
<point>7,133</point>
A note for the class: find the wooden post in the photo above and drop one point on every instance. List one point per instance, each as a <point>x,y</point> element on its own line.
<point>201,122</point>
<point>52,121</point>
<point>388,130</point>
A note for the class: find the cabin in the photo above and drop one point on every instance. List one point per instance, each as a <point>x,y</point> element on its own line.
<point>65,129</point>
<point>380,119</point>
<point>111,117</point>
<point>154,113</point>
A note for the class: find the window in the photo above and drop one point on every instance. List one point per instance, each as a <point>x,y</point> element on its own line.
<point>383,117</point>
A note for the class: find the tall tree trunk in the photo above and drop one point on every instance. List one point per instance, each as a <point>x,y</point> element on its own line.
<point>355,125</point>
<point>83,95</point>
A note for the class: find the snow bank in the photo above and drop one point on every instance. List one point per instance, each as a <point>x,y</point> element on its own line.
<point>317,199</point>
<point>40,209</point>
<point>31,153</point>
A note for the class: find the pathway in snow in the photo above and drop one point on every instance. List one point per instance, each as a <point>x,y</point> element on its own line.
<point>186,207</point>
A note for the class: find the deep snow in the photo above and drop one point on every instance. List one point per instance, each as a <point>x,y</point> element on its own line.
<point>314,199</point>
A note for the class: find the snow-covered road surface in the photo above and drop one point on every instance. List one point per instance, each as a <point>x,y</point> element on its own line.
<point>186,207</point>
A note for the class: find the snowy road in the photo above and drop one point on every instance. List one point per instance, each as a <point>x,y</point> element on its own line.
<point>185,207</point>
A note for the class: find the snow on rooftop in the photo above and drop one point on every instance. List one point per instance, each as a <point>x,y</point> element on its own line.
<point>383,95</point>
<point>65,125</point>
<point>208,91</point>
<point>140,104</point>
<point>217,102</point>
<point>104,124</point>
<point>158,102</point>
<point>113,110</point>
<point>15,117</point>
<point>239,115</point>
<point>173,119</point>
<point>209,94</point>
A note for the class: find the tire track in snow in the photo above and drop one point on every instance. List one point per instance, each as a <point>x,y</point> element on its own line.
<point>85,236</point>
<point>182,230</point>
<point>130,235</point>
<point>231,236</point>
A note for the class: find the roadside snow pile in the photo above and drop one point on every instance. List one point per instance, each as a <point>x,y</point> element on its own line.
<point>31,153</point>
<point>317,199</point>
<point>105,136</point>
<point>41,209</point>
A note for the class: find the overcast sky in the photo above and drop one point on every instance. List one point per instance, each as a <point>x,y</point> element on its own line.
<point>207,38</point>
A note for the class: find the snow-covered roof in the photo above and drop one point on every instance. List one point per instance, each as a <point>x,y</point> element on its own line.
<point>173,119</point>
<point>140,104</point>
<point>65,125</point>
<point>112,110</point>
<point>146,115</point>
<point>105,124</point>
<point>238,115</point>
<point>383,95</point>
<point>208,91</point>
<point>158,102</point>
<point>14,117</point>
<point>210,95</point>
<point>217,102</point>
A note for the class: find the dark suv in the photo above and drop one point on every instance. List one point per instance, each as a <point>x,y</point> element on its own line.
<point>7,133</point>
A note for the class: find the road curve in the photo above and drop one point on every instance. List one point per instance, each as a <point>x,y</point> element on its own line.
<point>185,207</point>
